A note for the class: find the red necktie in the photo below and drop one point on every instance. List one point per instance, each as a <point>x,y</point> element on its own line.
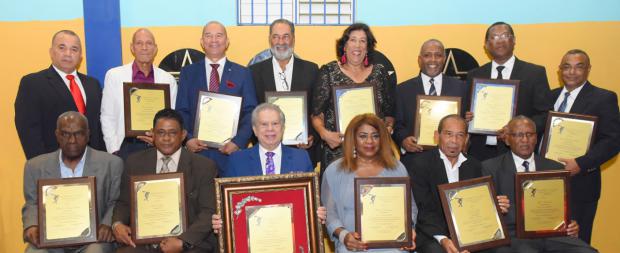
<point>77,94</point>
<point>214,79</point>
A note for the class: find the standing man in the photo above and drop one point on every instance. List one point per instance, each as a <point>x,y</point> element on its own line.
<point>580,96</point>
<point>533,87</point>
<point>140,70</point>
<point>73,159</point>
<point>168,156</point>
<point>431,81</point>
<point>44,95</point>
<point>285,72</point>
<point>216,74</point>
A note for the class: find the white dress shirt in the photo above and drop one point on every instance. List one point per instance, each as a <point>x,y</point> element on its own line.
<point>453,176</point>
<point>519,163</point>
<point>172,165</point>
<point>63,75</point>
<point>288,74</point>
<point>277,158</point>
<point>508,66</point>
<point>426,82</point>
<point>220,69</point>
<point>571,98</point>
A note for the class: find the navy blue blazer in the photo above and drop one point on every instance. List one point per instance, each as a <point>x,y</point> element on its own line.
<point>247,162</point>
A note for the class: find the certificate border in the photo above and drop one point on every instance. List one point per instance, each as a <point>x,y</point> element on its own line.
<point>94,219</point>
<point>238,100</point>
<point>225,186</point>
<point>520,207</point>
<point>416,130</point>
<point>358,182</point>
<point>294,94</point>
<point>491,82</point>
<point>447,214</point>
<point>551,114</point>
<point>133,180</point>
<point>129,132</point>
<point>351,87</point>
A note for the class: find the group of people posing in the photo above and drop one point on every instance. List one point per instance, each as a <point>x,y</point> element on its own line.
<point>66,123</point>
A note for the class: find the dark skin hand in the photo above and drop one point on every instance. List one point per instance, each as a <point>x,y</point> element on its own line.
<point>122,233</point>
<point>32,235</point>
<point>104,233</point>
<point>171,245</point>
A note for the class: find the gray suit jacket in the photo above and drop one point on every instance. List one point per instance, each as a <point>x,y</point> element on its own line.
<point>106,168</point>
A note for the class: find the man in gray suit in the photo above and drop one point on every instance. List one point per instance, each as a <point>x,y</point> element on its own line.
<point>73,159</point>
<point>521,137</point>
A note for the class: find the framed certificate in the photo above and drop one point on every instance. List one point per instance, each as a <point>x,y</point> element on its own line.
<point>157,207</point>
<point>472,214</point>
<point>141,102</point>
<point>265,214</point>
<point>568,135</point>
<point>352,100</point>
<point>383,211</point>
<point>294,106</point>
<point>67,212</point>
<point>431,109</point>
<point>494,103</point>
<point>542,203</point>
<point>217,118</point>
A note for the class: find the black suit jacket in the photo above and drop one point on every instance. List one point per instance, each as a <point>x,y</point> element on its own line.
<point>198,173</point>
<point>502,169</point>
<point>533,90</point>
<point>406,105</point>
<point>41,98</point>
<point>426,172</point>
<point>602,103</point>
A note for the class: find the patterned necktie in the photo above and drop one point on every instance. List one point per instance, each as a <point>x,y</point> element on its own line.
<point>270,166</point>
<point>562,106</point>
<point>432,90</point>
<point>499,72</point>
<point>214,80</point>
<point>526,165</point>
<point>77,94</point>
<point>164,167</point>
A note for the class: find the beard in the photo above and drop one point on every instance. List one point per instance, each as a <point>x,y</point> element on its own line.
<point>281,55</point>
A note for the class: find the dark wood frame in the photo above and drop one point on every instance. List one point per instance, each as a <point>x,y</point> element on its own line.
<point>418,121</point>
<point>225,188</point>
<point>127,88</point>
<point>238,100</point>
<point>378,182</point>
<point>269,95</point>
<point>42,217</point>
<point>448,214</point>
<point>336,89</point>
<point>182,206</point>
<point>520,206</point>
<point>548,125</point>
<point>491,82</point>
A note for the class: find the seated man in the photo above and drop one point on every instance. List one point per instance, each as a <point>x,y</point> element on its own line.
<point>198,173</point>
<point>521,137</point>
<point>427,170</point>
<point>73,159</point>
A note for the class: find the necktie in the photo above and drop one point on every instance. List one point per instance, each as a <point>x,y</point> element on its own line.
<point>499,72</point>
<point>164,167</point>
<point>432,90</point>
<point>270,166</point>
<point>77,94</point>
<point>562,106</point>
<point>526,165</point>
<point>214,79</point>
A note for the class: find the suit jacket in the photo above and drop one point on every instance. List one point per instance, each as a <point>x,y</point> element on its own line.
<point>406,105</point>
<point>502,169</point>
<point>198,174</point>
<point>112,103</point>
<point>106,169</point>
<point>41,98</point>
<point>247,162</point>
<point>426,172</point>
<point>595,101</point>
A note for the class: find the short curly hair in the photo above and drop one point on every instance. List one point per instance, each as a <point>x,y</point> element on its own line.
<point>371,42</point>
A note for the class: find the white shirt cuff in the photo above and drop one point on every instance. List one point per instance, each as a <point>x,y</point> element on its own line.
<point>491,140</point>
<point>439,238</point>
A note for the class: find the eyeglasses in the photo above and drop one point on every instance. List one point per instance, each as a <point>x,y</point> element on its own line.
<point>521,135</point>
<point>503,36</point>
<point>78,134</point>
<point>283,79</point>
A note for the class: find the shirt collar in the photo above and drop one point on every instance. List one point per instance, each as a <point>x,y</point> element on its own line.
<point>426,78</point>
<point>509,64</point>
<point>276,64</point>
<point>221,62</point>
<point>79,168</point>
<point>135,70</point>
<point>277,150</point>
<point>63,74</point>
<point>459,161</point>
<point>176,156</point>
<point>575,92</point>
<point>519,161</point>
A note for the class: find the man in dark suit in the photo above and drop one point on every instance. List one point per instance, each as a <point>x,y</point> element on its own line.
<point>431,81</point>
<point>198,173</point>
<point>580,96</point>
<point>224,77</point>
<point>44,95</point>
<point>285,72</point>
<point>73,159</point>
<point>521,137</point>
<point>533,87</point>
<point>427,170</point>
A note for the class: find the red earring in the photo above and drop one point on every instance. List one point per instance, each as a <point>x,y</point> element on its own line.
<point>343,58</point>
<point>366,61</point>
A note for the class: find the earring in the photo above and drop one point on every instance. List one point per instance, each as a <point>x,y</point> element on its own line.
<point>343,58</point>
<point>366,61</point>
<point>354,153</point>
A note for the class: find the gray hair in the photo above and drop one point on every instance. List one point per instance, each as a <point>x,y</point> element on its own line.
<point>521,118</point>
<point>133,38</point>
<point>71,115</point>
<point>211,23</point>
<point>440,126</point>
<point>68,32</point>
<point>433,41</point>
<point>282,21</point>
<point>267,106</point>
